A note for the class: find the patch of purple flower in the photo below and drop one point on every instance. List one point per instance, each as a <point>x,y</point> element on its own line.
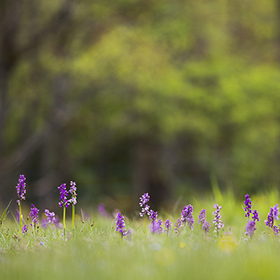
<point>272,216</point>
<point>202,217</point>
<point>206,226</point>
<point>120,226</point>
<point>144,199</point>
<point>217,218</point>
<point>156,227</point>
<point>63,196</point>
<point>168,225</point>
<point>101,210</point>
<point>34,214</point>
<point>50,216</point>
<point>73,192</point>
<point>21,191</point>
<point>187,216</point>
<point>178,226</point>
<point>276,230</point>
<point>202,221</point>
<point>153,216</point>
<point>248,205</point>
<point>24,229</point>
<point>251,227</point>
<point>255,216</point>
<point>251,224</point>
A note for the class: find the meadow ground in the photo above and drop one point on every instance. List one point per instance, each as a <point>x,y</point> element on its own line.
<point>98,251</point>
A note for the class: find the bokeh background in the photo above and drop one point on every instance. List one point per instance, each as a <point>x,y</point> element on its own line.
<point>133,96</point>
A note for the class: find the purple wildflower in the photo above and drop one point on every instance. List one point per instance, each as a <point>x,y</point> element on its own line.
<point>120,226</point>
<point>178,226</point>
<point>202,216</point>
<point>276,212</point>
<point>217,218</point>
<point>202,221</point>
<point>168,225</point>
<point>206,226</point>
<point>63,196</point>
<point>73,192</point>
<point>24,229</point>
<point>50,217</point>
<point>270,221</point>
<point>144,199</point>
<point>187,216</point>
<point>153,216</point>
<point>276,230</point>
<point>34,214</point>
<point>155,226</point>
<point>255,216</point>
<point>272,216</point>
<point>248,205</point>
<point>251,224</point>
<point>101,210</point>
<point>21,191</point>
<point>251,227</point>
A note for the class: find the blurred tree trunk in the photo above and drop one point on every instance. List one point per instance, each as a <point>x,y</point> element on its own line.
<point>54,164</point>
<point>12,50</point>
<point>149,174</point>
<point>9,28</point>
<point>4,77</point>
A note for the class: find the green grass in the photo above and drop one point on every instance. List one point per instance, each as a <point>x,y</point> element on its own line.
<point>98,252</point>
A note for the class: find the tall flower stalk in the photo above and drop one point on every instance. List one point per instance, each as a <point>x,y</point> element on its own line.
<point>145,208</point>
<point>21,191</point>
<point>272,217</point>
<point>177,226</point>
<point>248,206</point>
<point>156,223</point>
<point>64,203</point>
<point>251,224</point>
<point>120,226</point>
<point>34,216</point>
<point>167,225</point>
<point>217,219</point>
<point>202,221</point>
<point>187,216</point>
<point>73,201</point>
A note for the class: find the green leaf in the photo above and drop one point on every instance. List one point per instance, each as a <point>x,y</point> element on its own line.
<point>4,215</point>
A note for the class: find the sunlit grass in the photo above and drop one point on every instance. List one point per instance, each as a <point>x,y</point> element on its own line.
<point>96,251</point>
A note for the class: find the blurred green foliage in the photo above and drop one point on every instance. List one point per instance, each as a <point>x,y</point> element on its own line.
<point>196,81</point>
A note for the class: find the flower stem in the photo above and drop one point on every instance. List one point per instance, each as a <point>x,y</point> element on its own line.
<point>64,214</point>
<point>19,218</point>
<point>145,224</point>
<point>73,216</point>
<point>34,230</point>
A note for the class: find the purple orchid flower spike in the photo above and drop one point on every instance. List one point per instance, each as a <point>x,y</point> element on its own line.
<point>248,205</point>
<point>145,208</point>
<point>187,216</point>
<point>217,219</point>
<point>120,226</point>
<point>202,221</point>
<point>34,215</point>
<point>167,225</point>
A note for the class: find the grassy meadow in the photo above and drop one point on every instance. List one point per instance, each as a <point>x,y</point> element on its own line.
<point>97,251</point>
